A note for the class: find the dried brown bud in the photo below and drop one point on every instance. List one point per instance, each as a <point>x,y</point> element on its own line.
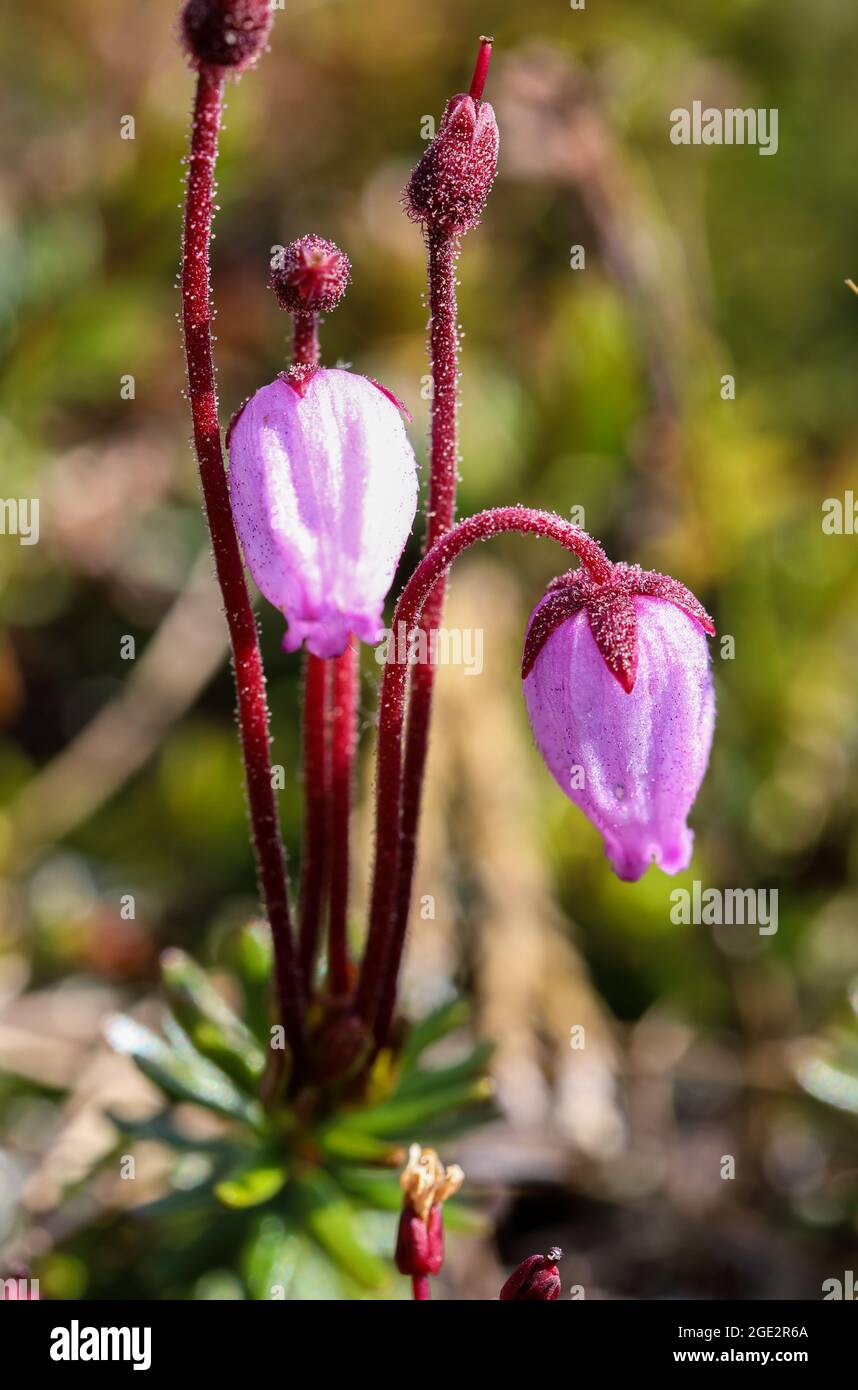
<point>427,1184</point>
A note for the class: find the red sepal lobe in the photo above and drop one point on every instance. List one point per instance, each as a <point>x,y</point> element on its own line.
<point>299,377</point>
<point>611,613</point>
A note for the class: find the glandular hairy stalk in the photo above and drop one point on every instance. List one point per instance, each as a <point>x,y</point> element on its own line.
<point>244,642</point>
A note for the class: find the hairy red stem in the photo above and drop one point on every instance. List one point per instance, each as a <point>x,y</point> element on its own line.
<point>420,1288</point>
<point>443,251</point>
<point>305,340</point>
<point>316,737</point>
<point>444,358</point>
<point>244,641</point>
<point>344,702</point>
<point>317,783</point>
<point>376,992</point>
<point>443,456</point>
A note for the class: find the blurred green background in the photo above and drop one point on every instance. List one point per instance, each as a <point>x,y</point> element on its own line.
<point>598,388</point>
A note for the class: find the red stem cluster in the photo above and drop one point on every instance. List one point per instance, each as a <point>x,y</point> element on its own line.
<point>244,641</point>
<point>330,712</point>
<point>331,688</point>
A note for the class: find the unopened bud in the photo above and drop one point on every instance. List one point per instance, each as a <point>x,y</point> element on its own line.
<point>448,189</point>
<point>226,36</point>
<point>537,1279</point>
<point>311,276</point>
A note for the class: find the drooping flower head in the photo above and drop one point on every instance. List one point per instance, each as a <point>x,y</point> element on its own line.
<point>619,692</point>
<point>448,188</point>
<point>426,1185</point>
<point>323,484</point>
<point>225,36</point>
<point>536,1280</point>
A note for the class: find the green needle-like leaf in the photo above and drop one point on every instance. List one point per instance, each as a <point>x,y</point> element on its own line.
<point>423,1080</point>
<point>182,1076</point>
<point>402,1117</point>
<point>345,1143</point>
<point>270,1258</point>
<point>251,1184</point>
<point>432,1028</point>
<point>213,1028</point>
<point>328,1215</point>
<point>160,1129</point>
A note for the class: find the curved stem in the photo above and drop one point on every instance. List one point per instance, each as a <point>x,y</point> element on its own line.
<point>377,984</point>
<point>247,661</point>
<point>343,707</point>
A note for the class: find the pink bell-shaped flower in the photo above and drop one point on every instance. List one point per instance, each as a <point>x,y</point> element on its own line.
<point>619,692</point>
<point>323,484</point>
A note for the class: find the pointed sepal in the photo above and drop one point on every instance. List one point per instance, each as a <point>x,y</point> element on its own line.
<point>651,584</point>
<point>563,600</point>
<point>614,625</point>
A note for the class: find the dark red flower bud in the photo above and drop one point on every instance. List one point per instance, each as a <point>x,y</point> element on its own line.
<point>448,189</point>
<point>226,36</point>
<point>426,1184</point>
<point>419,1243</point>
<point>310,276</point>
<point>537,1279</point>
